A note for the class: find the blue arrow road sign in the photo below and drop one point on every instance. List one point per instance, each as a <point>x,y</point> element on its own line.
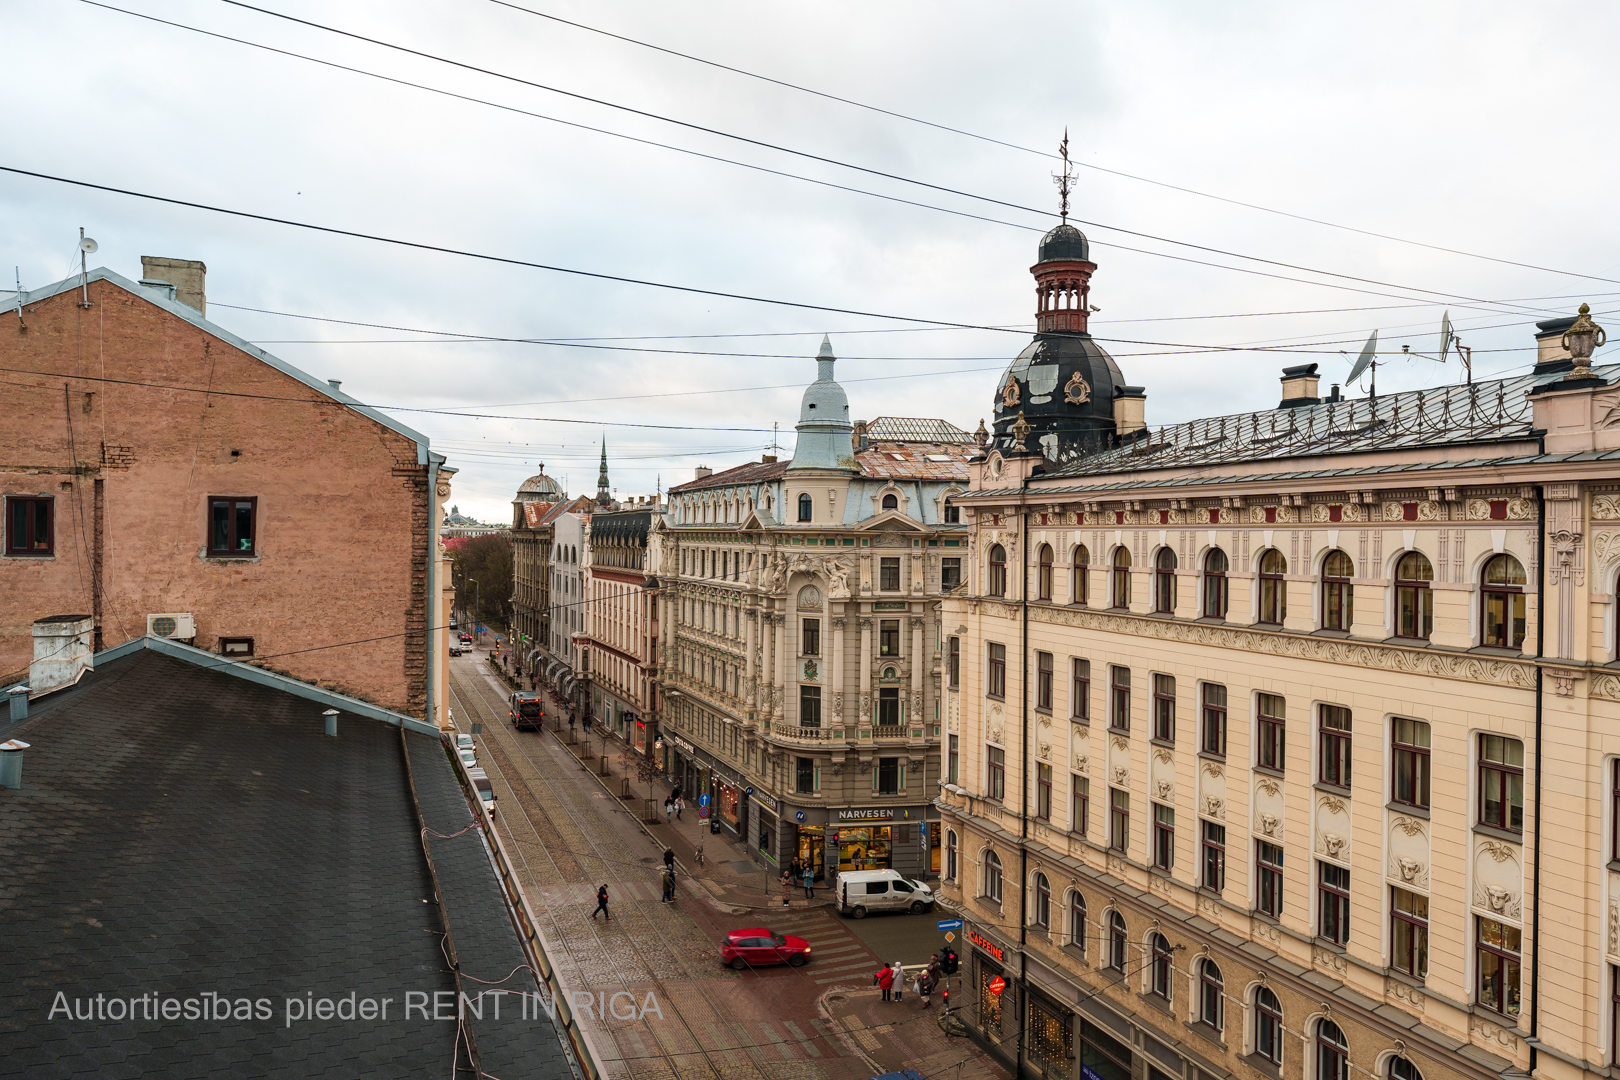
<point>950,924</point>
<point>703,800</point>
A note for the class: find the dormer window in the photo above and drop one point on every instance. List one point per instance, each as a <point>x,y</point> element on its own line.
<point>890,502</point>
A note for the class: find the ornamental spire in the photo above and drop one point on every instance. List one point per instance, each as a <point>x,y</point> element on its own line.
<point>603,497</point>
<point>1065,179</point>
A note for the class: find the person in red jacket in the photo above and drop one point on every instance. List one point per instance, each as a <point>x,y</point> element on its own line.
<point>885,979</point>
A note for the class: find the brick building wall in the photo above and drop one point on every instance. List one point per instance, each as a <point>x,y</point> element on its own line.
<point>128,416</point>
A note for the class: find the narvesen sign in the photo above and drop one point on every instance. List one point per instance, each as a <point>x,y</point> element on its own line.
<point>875,813</point>
<point>985,943</point>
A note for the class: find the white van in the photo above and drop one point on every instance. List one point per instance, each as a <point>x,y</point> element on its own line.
<point>860,891</point>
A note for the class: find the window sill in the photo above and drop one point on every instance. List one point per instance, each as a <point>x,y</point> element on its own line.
<point>1497,650</point>
<point>1402,977</point>
<point>1324,632</point>
<point>1083,721</point>
<point>1044,712</point>
<point>1211,620</point>
<point>215,556</point>
<point>44,555</point>
<point>1408,642</point>
<point>996,697</point>
<point>1501,834</point>
<point>1409,811</point>
<point>1155,1002</point>
<point>1210,755</point>
<point>1332,789</point>
<point>1263,1065</point>
<point>1203,1029</point>
<point>1267,770</point>
<point>1328,944</point>
<point>1168,744</point>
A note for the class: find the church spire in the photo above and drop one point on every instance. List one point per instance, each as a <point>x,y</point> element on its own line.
<point>603,496</point>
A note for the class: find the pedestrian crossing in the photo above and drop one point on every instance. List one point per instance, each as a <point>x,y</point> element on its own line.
<point>837,955</point>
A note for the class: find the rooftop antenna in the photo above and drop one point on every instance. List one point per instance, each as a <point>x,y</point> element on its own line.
<point>774,447</point>
<point>1368,360</point>
<point>87,247</point>
<point>20,321</point>
<point>1065,179</point>
<point>1449,341</point>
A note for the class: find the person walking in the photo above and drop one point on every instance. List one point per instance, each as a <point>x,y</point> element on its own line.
<point>795,868</point>
<point>787,888</point>
<point>669,886</point>
<point>808,877</point>
<point>680,804</point>
<point>898,979</point>
<point>925,986</point>
<point>885,980</point>
<point>602,903</point>
<point>669,860</point>
<point>669,809</point>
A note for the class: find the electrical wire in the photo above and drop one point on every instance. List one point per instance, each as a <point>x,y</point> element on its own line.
<point>826,160</point>
<point>1030,150</point>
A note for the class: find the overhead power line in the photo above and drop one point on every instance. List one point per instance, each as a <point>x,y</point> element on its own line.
<point>778,172</point>
<point>691,125</point>
<point>1031,150</point>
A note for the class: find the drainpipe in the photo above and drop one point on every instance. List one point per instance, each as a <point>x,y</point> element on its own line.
<point>1023,774</point>
<point>1541,651</point>
<point>432,582</point>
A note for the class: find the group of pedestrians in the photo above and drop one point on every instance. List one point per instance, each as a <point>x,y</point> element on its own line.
<point>798,875</point>
<point>674,804</point>
<point>892,980</point>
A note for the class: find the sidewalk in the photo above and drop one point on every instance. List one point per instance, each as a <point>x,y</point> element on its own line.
<point>729,873</point>
<point>893,1036</point>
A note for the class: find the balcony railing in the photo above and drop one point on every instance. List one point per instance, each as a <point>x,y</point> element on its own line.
<point>889,731</point>
<point>808,734</point>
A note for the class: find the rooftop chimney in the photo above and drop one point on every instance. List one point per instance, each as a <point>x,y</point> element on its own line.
<point>11,755</point>
<point>1299,386</point>
<point>859,437</point>
<point>702,472</point>
<point>186,275</point>
<point>1130,410</point>
<point>1551,356</point>
<point>61,652</point>
<point>768,459</point>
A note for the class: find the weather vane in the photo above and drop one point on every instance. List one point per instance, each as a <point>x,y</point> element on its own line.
<point>1065,179</point>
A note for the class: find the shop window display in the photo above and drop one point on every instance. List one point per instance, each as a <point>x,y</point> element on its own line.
<point>863,848</point>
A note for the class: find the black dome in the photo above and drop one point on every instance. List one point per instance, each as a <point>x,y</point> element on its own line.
<point>1077,411</point>
<point>1065,243</point>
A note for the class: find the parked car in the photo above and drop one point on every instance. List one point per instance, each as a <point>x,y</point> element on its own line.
<point>465,742</point>
<point>528,711</point>
<point>744,949</point>
<point>486,792</point>
<point>468,758</point>
<point>861,891</point>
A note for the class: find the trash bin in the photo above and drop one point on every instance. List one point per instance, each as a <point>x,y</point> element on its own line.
<point>714,824</point>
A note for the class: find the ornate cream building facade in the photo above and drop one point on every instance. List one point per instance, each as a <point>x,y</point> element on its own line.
<point>1285,744</point>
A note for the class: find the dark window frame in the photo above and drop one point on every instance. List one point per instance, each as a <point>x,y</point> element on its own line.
<point>889,637</point>
<point>994,877</point>
<point>810,640</point>
<point>996,684</point>
<point>1164,836</point>
<point>1409,763</point>
<point>1162,966</point>
<point>1212,733</point>
<point>1119,820</point>
<point>1118,942</point>
<point>1043,902</point>
<point>889,573</point>
<point>1043,792</point>
<point>950,572</point>
<point>888,703</point>
<point>1043,681</point>
<point>1414,597</point>
<point>1273,608</point>
<point>1332,1052</point>
<point>233,509</point>
<point>1409,933</point>
<point>804,775</point>
<point>1338,593</point>
<point>1217,591</point>
<point>1212,867</point>
<point>806,507</point>
<point>953,663</point>
<point>1509,602</point>
<point>1165,565</point>
<point>886,776</point>
<point>810,706</point>
<point>1500,965</point>
<point>1119,590</point>
<point>1211,995</point>
<point>1505,780</point>
<point>1043,572</point>
<point>1079,803</point>
<point>997,585</point>
<point>1268,1025</point>
<point>1164,707</point>
<point>1077,922</point>
<point>30,508</point>
<point>1079,571</point>
<point>1271,747</point>
<point>1268,866</point>
<point>1332,902</point>
<point>995,780</point>
<point>236,646</point>
<point>1119,699</point>
<point>953,762</point>
<point>1079,689</point>
<point>1334,749</point>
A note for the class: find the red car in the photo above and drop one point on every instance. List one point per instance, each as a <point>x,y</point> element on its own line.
<point>744,949</point>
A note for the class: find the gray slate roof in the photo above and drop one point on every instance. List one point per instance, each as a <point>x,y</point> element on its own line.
<point>181,830</point>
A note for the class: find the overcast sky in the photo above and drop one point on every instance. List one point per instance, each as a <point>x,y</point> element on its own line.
<point>1481,127</point>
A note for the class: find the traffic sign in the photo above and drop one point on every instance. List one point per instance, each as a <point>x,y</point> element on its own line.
<point>949,936</point>
<point>703,800</point>
<point>997,985</point>
<point>798,815</point>
<point>703,811</point>
<point>749,790</point>
<point>950,924</point>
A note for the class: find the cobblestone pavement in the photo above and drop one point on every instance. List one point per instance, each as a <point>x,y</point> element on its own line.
<point>907,1036</point>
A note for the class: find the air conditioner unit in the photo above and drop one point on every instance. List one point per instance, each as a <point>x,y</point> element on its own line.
<point>178,625</point>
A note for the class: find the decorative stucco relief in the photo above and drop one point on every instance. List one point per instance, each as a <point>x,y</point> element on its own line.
<point>1498,879</point>
<point>1389,658</point>
<point>1332,829</point>
<point>1408,847</point>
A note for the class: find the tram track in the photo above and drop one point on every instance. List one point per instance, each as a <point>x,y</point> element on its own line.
<point>544,804</point>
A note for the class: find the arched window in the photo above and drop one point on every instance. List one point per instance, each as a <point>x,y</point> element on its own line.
<point>1273,589</point>
<point>992,876</point>
<point>890,502</point>
<point>1402,1069</point>
<point>1121,597</point>
<point>1079,576</point>
<point>1077,921</point>
<point>1211,995</point>
<point>1215,565</point>
<point>1268,1026</point>
<point>1502,618</point>
<point>998,570</point>
<point>1043,902</point>
<point>1164,582</point>
<point>1332,1052</point>
<point>1414,602</point>
<point>804,507</point>
<point>1338,595</point>
<point>1043,580</point>
<point>1161,967</point>
<point>1116,941</point>
<point>950,855</point>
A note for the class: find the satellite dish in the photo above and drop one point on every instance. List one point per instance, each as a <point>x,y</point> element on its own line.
<point>1368,351</point>
<point>88,246</point>
<point>1445,334</point>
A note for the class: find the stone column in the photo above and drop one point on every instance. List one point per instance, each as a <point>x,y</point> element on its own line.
<point>914,713</point>
<point>750,618</point>
<point>864,691</point>
<point>782,680</point>
<point>835,671</point>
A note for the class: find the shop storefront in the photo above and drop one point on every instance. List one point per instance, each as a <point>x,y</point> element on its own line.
<point>728,798</point>
<point>1049,1037</point>
<point>767,812</point>
<point>810,847</point>
<point>639,738</point>
<point>988,967</point>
